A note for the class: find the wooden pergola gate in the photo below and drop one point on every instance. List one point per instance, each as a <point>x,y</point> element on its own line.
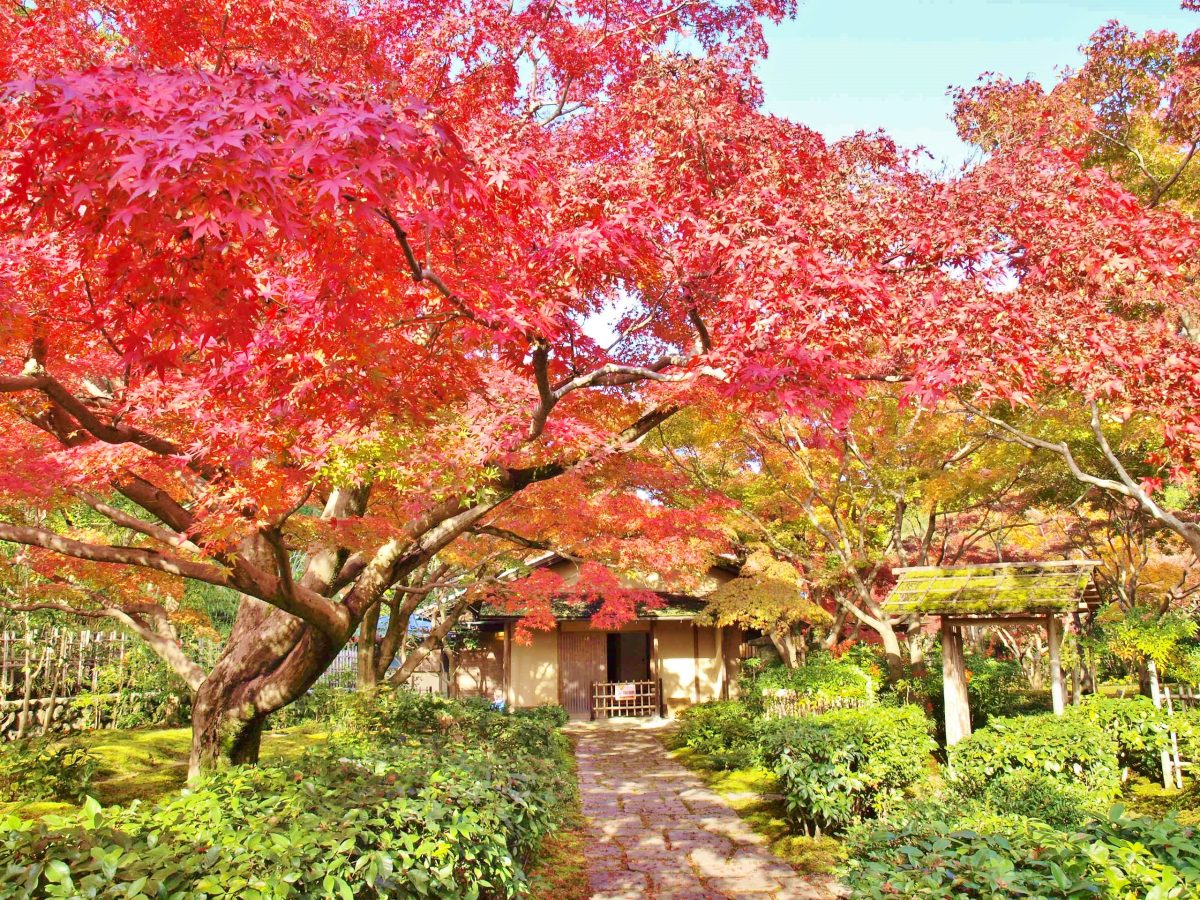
<point>1039,593</point>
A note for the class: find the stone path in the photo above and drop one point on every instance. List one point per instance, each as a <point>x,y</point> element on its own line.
<point>656,831</point>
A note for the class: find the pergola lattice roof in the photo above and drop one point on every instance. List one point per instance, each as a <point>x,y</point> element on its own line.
<point>998,589</point>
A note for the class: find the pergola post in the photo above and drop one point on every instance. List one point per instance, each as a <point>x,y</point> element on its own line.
<point>954,677</point>
<point>1058,695</point>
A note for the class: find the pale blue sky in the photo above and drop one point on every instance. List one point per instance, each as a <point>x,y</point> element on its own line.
<point>846,65</point>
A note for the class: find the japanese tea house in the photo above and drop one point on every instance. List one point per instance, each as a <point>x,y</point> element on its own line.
<point>662,662</point>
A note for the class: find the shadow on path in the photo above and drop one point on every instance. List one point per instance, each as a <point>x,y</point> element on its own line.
<point>656,831</point>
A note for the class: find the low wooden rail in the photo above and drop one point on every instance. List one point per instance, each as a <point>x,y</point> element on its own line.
<point>789,704</point>
<point>626,698</point>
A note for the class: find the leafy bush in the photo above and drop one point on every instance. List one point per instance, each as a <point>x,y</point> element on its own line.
<point>394,713</point>
<point>724,731</point>
<point>406,814</point>
<point>1039,796</point>
<point>822,677</point>
<point>549,713</point>
<point>1139,727</point>
<point>45,768</point>
<point>841,767</point>
<point>995,687</point>
<point>1013,856</point>
<point>1068,749</point>
<point>322,703</point>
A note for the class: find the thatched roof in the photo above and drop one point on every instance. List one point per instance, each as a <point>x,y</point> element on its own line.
<point>998,589</point>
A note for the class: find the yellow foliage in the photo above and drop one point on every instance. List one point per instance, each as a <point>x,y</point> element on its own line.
<point>766,594</point>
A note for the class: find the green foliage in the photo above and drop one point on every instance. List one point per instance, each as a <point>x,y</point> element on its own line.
<point>1139,727</point>
<point>995,687</point>
<point>454,811</point>
<point>993,856</point>
<point>1143,633</point>
<point>1071,750</point>
<point>139,690</point>
<point>390,715</point>
<point>1036,795</point>
<point>548,713</point>
<point>724,731</point>
<point>845,766</point>
<point>45,768</point>
<point>822,677</point>
<point>321,703</point>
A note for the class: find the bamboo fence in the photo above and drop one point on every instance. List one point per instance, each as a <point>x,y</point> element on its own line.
<point>790,705</point>
<point>43,670</point>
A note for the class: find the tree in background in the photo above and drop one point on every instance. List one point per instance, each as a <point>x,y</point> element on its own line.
<point>1130,111</point>
<point>897,485</point>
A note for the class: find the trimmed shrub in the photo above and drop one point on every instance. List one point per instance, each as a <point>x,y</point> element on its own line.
<point>1071,750</point>
<point>45,768</point>
<point>845,766</point>
<point>725,732</point>
<point>1038,796</point>
<point>1013,856</point>
<point>1139,727</point>
<point>548,713</point>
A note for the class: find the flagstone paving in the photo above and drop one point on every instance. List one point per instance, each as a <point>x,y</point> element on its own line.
<point>656,831</point>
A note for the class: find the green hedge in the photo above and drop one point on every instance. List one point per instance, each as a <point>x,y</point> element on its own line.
<point>845,766</point>
<point>822,677</point>
<point>726,732</point>
<point>1139,728</point>
<point>1071,750</point>
<point>452,805</point>
<point>997,856</point>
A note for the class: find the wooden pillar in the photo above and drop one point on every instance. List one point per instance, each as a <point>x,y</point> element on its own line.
<point>719,644</point>
<point>954,689</point>
<point>656,665</point>
<point>510,697</point>
<point>1058,694</point>
<point>695,663</point>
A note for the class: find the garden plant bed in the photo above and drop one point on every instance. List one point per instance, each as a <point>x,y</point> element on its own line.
<point>406,796</point>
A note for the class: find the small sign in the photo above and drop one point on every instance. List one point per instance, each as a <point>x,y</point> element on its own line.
<point>625,691</point>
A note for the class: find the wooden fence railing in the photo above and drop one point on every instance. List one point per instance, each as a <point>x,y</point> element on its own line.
<point>626,698</point>
<point>61,679</point>
<point>56,661</point>
<point>1183,696</point>
<point>43,670</point>
<point>789,704</point>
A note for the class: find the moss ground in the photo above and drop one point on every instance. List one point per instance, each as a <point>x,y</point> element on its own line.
<point>146,764</point>
<point>753,794</point>
<point>1149,798</point>
<point>560,872</point>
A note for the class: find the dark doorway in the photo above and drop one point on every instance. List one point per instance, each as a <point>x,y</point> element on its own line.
<point>629,656</point>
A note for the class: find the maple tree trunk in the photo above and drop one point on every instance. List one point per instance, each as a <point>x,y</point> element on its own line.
<point>785,646</point>
<point>891,649</point>
<point>270,660</point>
<point>368,650</point>
<point>916,649</point>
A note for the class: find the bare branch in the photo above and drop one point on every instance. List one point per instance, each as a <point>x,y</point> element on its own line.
<point>1126,486</point>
